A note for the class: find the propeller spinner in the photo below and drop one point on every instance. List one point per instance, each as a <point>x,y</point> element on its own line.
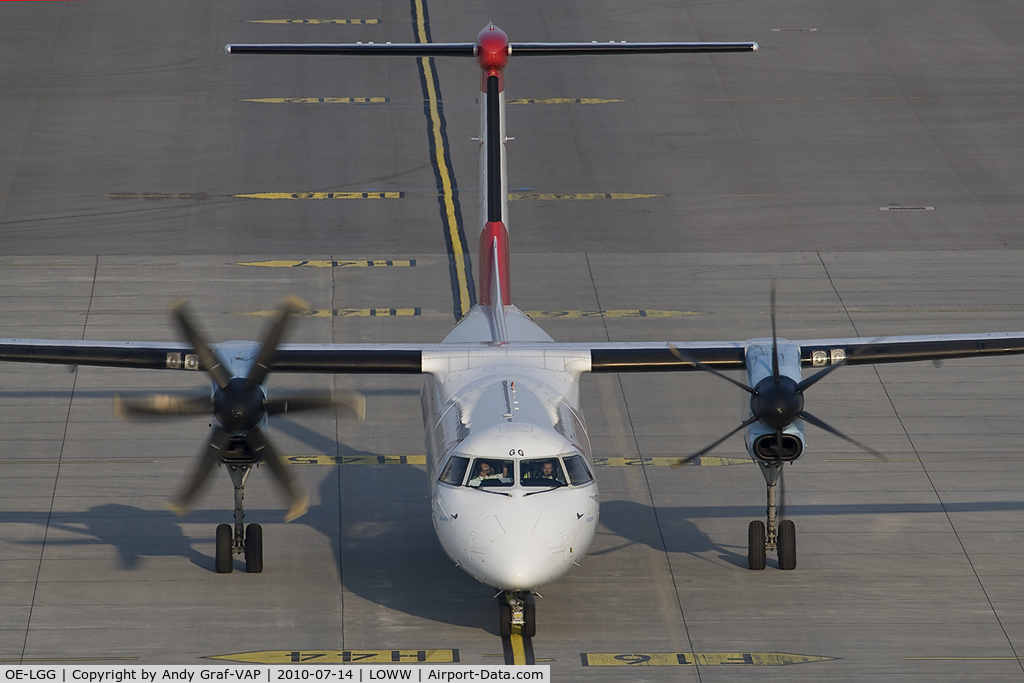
<point>239,405</point>
<point>776,401</point>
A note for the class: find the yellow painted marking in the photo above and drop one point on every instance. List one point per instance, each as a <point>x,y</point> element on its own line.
<point>314,21</point>
<point>319,100</point>
<point>703,461</point>
<point>544,196</point>
<point>357,459</point>
<point>518,649</point>
<point>321,195</point>
<point>698,659</point>
<point>618,313</point>
<point>341,313</point>
<point>343,656</point>
<point>563,100</point>
<point>370,263</point>
<point>461,261</point>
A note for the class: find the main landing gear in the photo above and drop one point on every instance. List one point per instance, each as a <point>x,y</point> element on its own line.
<point>514,610</point>
<point>241,540</point>
<point>776,535</point>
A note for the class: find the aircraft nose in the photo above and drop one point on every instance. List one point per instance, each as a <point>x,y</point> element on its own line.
<point>521,564</point>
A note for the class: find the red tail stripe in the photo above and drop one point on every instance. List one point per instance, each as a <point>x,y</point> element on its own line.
<point>494,230</point>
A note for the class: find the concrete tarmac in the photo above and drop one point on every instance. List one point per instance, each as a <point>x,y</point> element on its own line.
<point>867,157</point>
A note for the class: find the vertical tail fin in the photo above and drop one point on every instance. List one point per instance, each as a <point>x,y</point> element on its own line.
<point>492,55</point>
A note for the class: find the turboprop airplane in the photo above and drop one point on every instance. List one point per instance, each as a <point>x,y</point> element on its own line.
<point>513,494</point>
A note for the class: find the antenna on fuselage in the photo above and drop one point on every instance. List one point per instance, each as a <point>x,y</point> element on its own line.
<point>492,50</point>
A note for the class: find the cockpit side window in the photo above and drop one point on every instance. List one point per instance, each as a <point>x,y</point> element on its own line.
<point>489,472</point>
<point>455,471</point>
<point>541,472</point>
<point>579,473</point>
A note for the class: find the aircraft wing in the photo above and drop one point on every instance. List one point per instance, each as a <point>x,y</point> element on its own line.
<point>604,356</point>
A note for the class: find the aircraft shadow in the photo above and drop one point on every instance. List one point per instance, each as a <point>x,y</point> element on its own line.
<point>679,534</point>
<point>672,530</point>
<point>134,532</point>
<point>387,551</point>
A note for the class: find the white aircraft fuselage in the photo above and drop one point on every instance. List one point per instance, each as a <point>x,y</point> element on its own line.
<point>511,409</point>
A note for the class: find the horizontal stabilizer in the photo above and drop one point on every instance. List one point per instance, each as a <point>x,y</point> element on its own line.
<point>594,48</point>
<point>470,49</point>
<point>396,49</point>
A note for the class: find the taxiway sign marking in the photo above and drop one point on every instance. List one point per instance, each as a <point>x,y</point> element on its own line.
<point>343,657</point>
<point>697,659</point>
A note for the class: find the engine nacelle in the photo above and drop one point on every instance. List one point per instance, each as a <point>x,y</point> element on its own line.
<point>761,438</point>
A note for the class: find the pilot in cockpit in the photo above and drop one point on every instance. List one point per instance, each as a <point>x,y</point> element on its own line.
<point>485,472</point>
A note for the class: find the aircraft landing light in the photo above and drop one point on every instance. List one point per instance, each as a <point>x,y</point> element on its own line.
<point>319,100</point>
<point>343,657</point>
<point>369,263</point>
<point>698,659</point>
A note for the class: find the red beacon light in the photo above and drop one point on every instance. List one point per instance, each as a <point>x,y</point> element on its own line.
<point>492,50</point>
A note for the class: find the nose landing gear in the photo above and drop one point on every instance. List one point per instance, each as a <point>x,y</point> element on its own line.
<point>242,540</point>
<point>515,611</point>
<point>776,535</point>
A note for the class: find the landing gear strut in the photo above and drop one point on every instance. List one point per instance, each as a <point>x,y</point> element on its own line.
<point>776,535</point>
<point>514,610</point>
<point>242,540</point>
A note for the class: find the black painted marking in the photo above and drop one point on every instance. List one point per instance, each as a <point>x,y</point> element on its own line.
<point>453,263</point>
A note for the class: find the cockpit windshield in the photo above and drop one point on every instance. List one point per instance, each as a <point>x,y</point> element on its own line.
<point>541,472</point>
<point>492,472</point>
<point>549,472</point>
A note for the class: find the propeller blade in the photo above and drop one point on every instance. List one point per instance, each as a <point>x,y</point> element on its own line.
<point>261,367</point>
<point>352,402</point>
<point>216,445</point>
<point>683,355</point>
<point>775,339</point>
<point>820,424</point>
<point>162,404</point>
<point>813,379</point>
<point>209,359</point>
<point>298,499</point>
<point>778,444</point>
<point>683,461</point>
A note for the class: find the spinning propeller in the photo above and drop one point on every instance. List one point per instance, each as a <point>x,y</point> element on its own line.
<point>777,401</point>
<point>239,405</point>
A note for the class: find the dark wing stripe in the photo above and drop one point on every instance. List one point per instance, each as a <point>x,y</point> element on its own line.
<point>358,361</point>
<point>908,351</point>
<point>628,359</point>
<point>119,357</point>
